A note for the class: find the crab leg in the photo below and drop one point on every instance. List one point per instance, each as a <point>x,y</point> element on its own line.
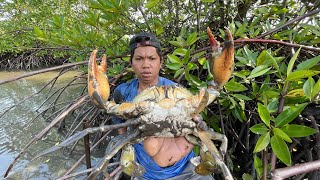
<point>129,164</point>
<point>113,147</point>
<point>127,110</point>
<point>81,134</point>
<point>221,69</point>
<point>210,156</point>
<point>208,164</point>
<point>206,139</point>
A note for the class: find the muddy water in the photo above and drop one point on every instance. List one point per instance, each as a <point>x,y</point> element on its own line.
<point>18,128</point>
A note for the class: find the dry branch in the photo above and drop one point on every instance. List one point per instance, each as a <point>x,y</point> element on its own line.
<point>286,172</point>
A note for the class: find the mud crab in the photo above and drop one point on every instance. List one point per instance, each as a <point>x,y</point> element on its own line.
<point>163,111</point>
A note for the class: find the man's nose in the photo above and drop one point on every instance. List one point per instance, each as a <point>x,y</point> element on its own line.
<point>145,63</point>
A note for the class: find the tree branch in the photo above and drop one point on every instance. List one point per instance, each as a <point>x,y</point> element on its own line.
<point>286,172</point>
<point>145,18</point>
<point>289,22</point>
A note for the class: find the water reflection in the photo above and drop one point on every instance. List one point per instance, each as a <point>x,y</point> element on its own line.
<point>17,127</point>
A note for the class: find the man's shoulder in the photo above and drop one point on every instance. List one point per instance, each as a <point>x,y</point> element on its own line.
<point>124,86</point>
<point>122,91</point>
<point>165,81</point>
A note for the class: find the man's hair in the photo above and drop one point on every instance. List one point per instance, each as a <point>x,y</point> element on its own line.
<point>144,39</point>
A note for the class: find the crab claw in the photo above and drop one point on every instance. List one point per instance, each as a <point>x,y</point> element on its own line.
<point>208,165</point>
<point>98,85</point>
<point>130,166</point>
<point>223,61</point>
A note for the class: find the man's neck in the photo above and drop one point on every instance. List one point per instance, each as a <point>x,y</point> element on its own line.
<point>142,86</point>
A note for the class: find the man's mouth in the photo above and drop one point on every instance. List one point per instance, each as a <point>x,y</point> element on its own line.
<point>146,73</point>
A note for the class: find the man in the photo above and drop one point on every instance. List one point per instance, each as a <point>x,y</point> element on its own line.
<point>163,158</point>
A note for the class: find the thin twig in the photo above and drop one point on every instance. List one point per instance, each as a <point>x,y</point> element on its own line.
<point>271,41</point>
<point>145,18</point>
<point>289,22</point>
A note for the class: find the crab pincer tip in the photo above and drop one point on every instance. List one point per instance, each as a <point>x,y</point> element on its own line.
<point>213,42</point>
<point>229,34</point>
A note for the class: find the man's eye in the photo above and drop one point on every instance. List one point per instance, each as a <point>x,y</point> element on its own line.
<point>138,59</point>
<point>153,59</point>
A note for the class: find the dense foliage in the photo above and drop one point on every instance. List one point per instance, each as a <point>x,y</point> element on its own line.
<point>268,108</point>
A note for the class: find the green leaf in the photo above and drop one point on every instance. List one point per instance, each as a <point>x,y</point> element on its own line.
<point>281,149</point>
<point>308,63</point>
<point>199,54</point>
<point>202,61</point>
<point>264,114</point>
<point>291,62</point>
<point>271,94</point>
<point>176,43</point>
<point>295,93</point>
<point>238,112</point>
<point>259,129</point>
<point>242,30</point>
<point>192,39</point>
<point>243,60</point>
<point>288,115</point>
<point>235,86</point>
<point>178,73</point>
<point>39,32</point>
<point>300,74</point>
<point>258,71</point>
<point>308,87</point>
<point>315,89</point>
<point>186,58</point>
<point>242,74</point>
<point>192,66</point>
<point>247,176</point>
<point>174,59</point>
<point>251,56</point>
<point>180,51</point>
<point>258,166</point>
<point>174,66</point>
<point>274,62</point>
<point>262,58</point>
<point>195,80</point>
<point>295,130</point>
<point>241,97</point>
<point>151,3</point>
<point>262,142</point>
<point>281,134</point>
<point>273,105</point>
<point>208,1</point>
<point>255,88</point>
<point>191,78</point>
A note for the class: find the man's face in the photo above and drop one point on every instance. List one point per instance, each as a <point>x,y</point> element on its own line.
<point>146,64</point>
